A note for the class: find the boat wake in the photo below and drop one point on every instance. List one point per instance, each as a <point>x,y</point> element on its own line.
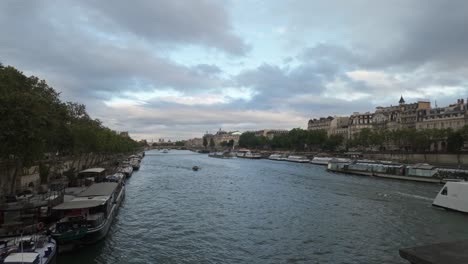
<point>415,196</point>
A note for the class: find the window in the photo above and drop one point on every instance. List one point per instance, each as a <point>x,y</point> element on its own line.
<point>444,191</point>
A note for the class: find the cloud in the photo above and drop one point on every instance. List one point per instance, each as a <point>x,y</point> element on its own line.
<point>203,22</point>
<point>179,68</point>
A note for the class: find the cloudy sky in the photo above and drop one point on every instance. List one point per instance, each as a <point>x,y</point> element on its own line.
<point>176,69</point>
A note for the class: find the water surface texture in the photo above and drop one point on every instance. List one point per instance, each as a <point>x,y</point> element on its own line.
<point>262,211</point>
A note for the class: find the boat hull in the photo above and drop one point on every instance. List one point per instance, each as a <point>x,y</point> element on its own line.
<point>93,236</point>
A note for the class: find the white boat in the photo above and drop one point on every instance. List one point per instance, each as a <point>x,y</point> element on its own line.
<point>277,157</point>
<point>28,250</point>
<point>321,160</point>
<point>250,155</point>
<point>453,196</point>
<point>326,160</point>
<point>299,159</point>
<point>240,154</point>
<point>165,151</point>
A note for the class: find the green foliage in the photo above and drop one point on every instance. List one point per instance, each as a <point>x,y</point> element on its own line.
<point>180,143</point>
<point>43,172</point>
<point>297,139</point>
<point>410,139</point>
<point>212,143</point>
<point>205,142</point>
<point>34,121</point>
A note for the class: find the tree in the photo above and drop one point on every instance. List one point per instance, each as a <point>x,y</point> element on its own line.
<point>205,142</point>
<point>333,142</point>
<point>455,141</point>
<point>212,143</point>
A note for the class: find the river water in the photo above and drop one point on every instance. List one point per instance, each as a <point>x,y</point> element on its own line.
<point>262,211</point>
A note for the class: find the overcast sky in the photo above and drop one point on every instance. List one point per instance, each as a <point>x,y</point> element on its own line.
<point>176,69</point>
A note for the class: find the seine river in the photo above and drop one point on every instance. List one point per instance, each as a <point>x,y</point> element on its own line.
<point>262,211</point>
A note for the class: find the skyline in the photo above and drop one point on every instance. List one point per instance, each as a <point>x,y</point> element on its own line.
<point>174,70</point>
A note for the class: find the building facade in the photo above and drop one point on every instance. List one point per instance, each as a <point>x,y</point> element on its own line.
<point>322,123</point>
<point>271,133</point>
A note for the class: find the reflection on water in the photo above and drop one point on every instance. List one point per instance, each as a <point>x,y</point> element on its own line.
<point>262,211</point>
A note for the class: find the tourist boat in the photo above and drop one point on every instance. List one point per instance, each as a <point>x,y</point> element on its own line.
<point>320,160</point>
<point>250,155</point>
<point>32,249</point>
<point>165,151</point>
<point>326,160</point>
<point>86,218</point>
<point>277,157</point>
<point>296,158</point>
<point>240,154</point>
<point>453,196</point>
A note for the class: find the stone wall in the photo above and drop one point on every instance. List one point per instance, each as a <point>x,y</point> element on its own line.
<point>12,180</point>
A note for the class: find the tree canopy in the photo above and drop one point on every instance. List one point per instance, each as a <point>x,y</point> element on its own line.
<point>34,121</point>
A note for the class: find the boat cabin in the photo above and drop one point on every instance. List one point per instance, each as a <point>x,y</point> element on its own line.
<point>23,258</point>
<point>89,209</point>
<point>453,196</point>
<point>97,174</point>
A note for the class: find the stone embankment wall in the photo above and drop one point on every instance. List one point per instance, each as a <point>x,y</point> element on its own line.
<point>13,179</point>
<point>449,160</point>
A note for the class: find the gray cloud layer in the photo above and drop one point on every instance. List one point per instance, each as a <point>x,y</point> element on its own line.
<point>368,52</point>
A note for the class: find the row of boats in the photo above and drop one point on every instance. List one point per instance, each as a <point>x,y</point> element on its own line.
<point>83,216</point>
<point>239,154</point>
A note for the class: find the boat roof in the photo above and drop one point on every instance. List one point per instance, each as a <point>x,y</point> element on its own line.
<point>422,166</point>
<point>80,204</point>
<point>25,257</point>
<point>93,170</point>
<point>99,189</point>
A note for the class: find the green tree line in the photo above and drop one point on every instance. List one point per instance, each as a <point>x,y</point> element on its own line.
<point>378,139</point>
<point>297,139</point>
<point>34,121</point>
<point>411,139</point>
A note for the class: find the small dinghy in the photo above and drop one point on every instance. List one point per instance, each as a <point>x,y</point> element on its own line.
<point>195,168</point>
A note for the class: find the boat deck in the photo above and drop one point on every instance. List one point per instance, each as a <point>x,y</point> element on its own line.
<point>442,253</point>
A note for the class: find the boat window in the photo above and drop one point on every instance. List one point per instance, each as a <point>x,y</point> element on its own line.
<point>444,191</point>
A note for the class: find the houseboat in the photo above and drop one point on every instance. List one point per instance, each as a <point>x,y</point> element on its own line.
<point>418,172</point>
<point>32,249</point>
<point>86,218</point>
<point>135,163</point>
<point>127,170</point>
<point>453,196</point>
<point>296,158</point>
<point>92,174</point>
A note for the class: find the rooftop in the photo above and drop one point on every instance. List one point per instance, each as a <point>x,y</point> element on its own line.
<point>99,189</point>
<point>93,170</point>
<point>80,204</point>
